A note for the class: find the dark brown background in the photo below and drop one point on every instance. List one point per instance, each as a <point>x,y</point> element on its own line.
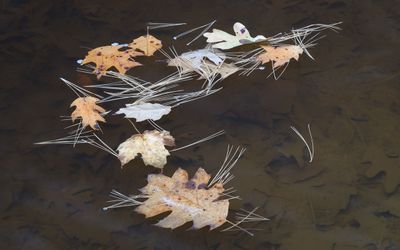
<point>348,198</point>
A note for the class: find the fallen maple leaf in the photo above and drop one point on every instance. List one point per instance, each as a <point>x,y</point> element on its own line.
<point>223,40</point>
<point>151,146</point>
<point>112,56</point>
<point>147,44</point>
<point>88,111</point>
<point>145,111</point>
<point>189,200</point>
<point>280,55</point>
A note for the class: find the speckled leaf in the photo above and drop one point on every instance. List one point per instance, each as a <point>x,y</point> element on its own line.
<point>107,57</point>
<point>189,200</point>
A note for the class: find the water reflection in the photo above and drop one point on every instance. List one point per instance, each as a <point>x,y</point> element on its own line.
<point>348,198</point>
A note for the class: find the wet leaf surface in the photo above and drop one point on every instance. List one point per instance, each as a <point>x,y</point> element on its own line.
<point>52,196</point>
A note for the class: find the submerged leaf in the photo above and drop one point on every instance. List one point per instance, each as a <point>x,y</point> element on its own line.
<point>194,60</point>
<point>112,56</point>
<point>151,146</point>
<point>147,44</point>
<point>88,111</point>
<point>224,70</point>
<point>280,55</point>
<point>189,200</point>
<point>145,111</point>
<point>197,57</point>
<point>207,62</point>
<point>223,40</point>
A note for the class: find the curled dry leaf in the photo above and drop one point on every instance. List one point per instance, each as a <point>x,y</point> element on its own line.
<point>280,55</point>
<point>223,40</point>
<point>145,111</point>
<point>88,111</point>
<point>151,146</point>
<point>147,44</point>
<point>112,56</point>
<point>189,200</point>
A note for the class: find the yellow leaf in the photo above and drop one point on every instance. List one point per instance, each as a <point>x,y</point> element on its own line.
<point>151,146</point>
<point>147,44</point>
<point>107,57</point>
<point>88,111</point>
<point>281,55</point>
<point>189,200</point>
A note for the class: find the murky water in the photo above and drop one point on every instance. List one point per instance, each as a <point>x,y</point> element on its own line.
<point>347,198</point>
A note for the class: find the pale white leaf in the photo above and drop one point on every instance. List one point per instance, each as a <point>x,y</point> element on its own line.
<point>198,56</point>
<point>144,111</point>
<point>206,62</point>
<point>223,40</point>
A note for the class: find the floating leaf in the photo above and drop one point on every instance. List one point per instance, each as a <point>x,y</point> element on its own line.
<point>279,55</point>
<point>223,40</point>
<point>197,57</point>
<point>189,200</point>
<point>88,111</point>
<point>224,70</point>
<point>201,200</point>
<point>107,57</point>
<point>144,111</point>
<point>206,62</point>
<point>147,44</point>
<point>151,146</point>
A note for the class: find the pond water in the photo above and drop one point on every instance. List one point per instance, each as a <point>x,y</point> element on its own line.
<point>347,198</point>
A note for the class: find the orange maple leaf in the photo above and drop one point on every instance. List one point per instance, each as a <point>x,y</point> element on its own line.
<point>88,111</point>
<point>280,55</point>
<point>106,57</point>
<point>150,145</point>
<point>147,44</point>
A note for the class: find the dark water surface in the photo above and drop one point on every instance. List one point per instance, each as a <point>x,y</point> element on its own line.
<point>348,198</point>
